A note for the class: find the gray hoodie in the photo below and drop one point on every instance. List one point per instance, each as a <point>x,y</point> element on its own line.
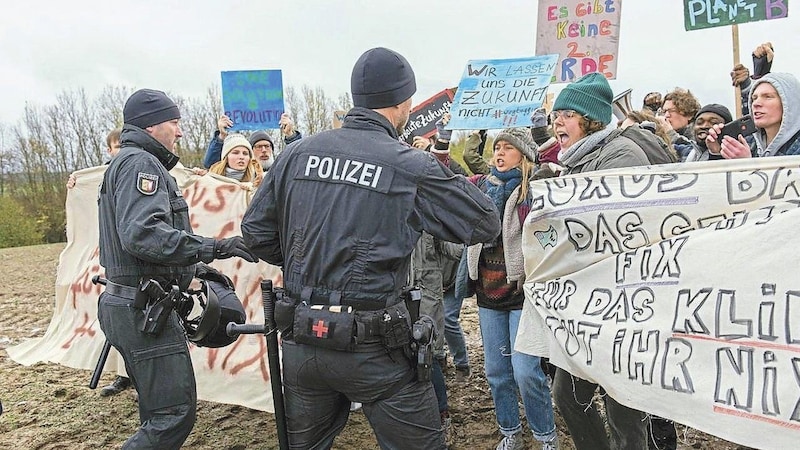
<point>788,88</point>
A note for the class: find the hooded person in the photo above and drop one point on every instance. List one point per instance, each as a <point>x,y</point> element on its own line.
<point>580,115</point>
<point>237,161</point>
<point>777,119</point>
<point>773,105</point>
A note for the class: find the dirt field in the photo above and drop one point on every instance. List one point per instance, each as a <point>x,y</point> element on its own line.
<point>48,406</point>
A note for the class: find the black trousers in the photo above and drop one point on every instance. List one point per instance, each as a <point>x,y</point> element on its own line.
<point>319,385</point>
<point>159,368</point>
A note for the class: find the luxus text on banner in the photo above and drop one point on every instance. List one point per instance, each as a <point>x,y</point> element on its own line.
<point>675,288</point>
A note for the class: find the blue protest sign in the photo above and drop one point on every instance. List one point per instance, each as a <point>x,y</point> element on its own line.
<point>501,93</point>
<point>253,99</point>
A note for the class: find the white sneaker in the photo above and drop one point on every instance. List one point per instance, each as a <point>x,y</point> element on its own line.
<point>513,442</point>
<point>552,444</point>
<point>355,406</point>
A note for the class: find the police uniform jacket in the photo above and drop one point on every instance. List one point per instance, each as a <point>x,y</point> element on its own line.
<point>342,210</point>
<point>144,219</point>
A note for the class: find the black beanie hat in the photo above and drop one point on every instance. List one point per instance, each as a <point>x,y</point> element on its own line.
<point>716,109</point>
<point>381,78</point>
<point>148,107</point>
<point>260,136</point>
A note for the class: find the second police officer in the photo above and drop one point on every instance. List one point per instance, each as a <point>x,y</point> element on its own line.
<point>341,213</point>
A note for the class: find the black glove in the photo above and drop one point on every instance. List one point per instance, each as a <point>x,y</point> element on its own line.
<point>233,246</point>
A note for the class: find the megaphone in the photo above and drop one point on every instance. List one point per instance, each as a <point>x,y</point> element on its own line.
<point>622,105</point>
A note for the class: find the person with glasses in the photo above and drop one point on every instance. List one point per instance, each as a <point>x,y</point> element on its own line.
<point>679,109</point>
<point>260,141</point>
<point>580,117</point>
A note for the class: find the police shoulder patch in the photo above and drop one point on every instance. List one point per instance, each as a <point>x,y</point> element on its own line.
<point>147,183</point>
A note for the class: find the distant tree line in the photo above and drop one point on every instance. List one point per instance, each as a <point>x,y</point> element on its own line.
<point>49,142</point>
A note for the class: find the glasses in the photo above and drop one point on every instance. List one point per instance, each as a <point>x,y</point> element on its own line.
<point>262,146</point>
<point>564,114</point>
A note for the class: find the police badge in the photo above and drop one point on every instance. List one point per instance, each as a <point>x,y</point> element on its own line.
<point>147,183</point>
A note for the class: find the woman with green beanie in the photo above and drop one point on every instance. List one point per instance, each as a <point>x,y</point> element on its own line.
<point>580,116</point>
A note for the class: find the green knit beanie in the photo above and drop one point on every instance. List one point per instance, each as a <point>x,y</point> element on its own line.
<point>590,96</point>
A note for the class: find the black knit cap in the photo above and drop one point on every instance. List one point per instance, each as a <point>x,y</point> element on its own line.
<point>716,109</point>
<point>148,107</point>
<point>382,78</point>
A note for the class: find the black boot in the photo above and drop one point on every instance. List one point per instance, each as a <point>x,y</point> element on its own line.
<point>120,384</point>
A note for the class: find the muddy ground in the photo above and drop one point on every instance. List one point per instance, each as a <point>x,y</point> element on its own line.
<point>48,406</point>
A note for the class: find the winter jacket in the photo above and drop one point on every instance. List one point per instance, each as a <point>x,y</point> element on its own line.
<point>343,209</point>
<point>591,154</point>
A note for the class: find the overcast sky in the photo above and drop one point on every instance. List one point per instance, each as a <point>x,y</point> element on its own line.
<point>181,46</point>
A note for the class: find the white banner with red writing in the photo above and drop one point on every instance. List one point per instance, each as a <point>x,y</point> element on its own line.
<point>236,374</point>
<point>676,289</point>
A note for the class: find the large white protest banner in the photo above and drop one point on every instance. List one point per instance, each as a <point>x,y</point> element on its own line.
<point>235,374</point>
<point>676,289</point>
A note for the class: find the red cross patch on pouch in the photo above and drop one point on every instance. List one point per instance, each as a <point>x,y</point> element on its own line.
<point>321,329</point>
<point>147,183</point>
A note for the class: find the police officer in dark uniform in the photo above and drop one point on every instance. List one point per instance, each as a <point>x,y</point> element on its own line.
<point>341,212</point>
<point>145,234</point>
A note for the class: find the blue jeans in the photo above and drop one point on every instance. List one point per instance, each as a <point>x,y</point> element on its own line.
<point>509,372</point>
<point>453,333</point>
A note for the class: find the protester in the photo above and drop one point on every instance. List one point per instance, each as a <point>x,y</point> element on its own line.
<point>336,250</point>
<point>428,263</point>
<point>453,301</point>
<point>112,147</point>
<point>708,116</point>
<point>146,234</point>
<point>549,148</point>
<point>580,115</point>
<point>496,266</point>
<point>647,121</point>
<point>265,150</point>
<point>679,108</point>
<point>773,105</point>
<point>237,162</point>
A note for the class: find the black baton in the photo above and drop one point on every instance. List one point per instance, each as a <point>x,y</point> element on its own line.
<point>273,359</point>
<point>101,361</point>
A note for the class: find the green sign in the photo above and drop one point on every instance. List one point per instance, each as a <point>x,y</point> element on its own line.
<point>698,14</point>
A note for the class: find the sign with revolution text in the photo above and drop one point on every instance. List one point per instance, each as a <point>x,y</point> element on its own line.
<point>698,14</point>
<point>675,288</point>
<point>501,93</point>
<point>585,34</point>
<point>422,119</point>
<point>253,99</point>
<point>236,374</point>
